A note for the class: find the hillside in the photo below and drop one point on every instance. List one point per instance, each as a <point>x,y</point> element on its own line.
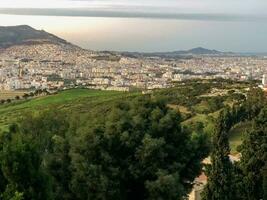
<point>20,35</point>
<point>25,42</point>
<point>77,133</point>
<point>71,101</point>
<point>206,99</point>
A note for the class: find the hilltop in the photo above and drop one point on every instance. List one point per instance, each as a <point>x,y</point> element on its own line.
<point>23,34</point>
<point>25,42</point>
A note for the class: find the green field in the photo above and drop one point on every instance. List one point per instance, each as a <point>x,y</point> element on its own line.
<point>80,102</point>
<point>236,134</point>
<point>74,100</point>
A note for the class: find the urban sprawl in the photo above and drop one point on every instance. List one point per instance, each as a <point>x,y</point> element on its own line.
<point>50,66</point>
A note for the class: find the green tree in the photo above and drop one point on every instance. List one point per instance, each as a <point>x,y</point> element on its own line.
<point>265,182</point>
<point>254,157</point>
<point>50,130</point>
<point>20,163</point>
<point>3,181</point>
<point>256,100</point>
<point>17,196</point>
<point>220,172</point>
<point>137,150</point>
<point>35,153</point>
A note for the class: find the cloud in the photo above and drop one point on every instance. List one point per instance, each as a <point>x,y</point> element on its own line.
<point>124,13</point>
<point>165,8</point>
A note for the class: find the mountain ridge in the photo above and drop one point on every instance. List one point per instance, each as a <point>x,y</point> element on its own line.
<point>24,34</point>
<point>179,53</point>
<point>199,50</point>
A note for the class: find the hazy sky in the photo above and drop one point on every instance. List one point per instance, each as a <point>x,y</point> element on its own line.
<point>254,7</point>
<point>146,25</point>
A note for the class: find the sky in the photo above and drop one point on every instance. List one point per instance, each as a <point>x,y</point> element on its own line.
<point>146,25</point>
<point>241,7</point>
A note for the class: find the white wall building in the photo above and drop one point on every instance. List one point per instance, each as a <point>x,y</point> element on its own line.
<point>264,81</point>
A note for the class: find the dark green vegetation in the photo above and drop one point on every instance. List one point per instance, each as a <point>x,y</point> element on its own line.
<point>16,35</point>
<point>86,144</point>
<point>201,101</point>
<point>198,102</point>
<point>246,179</point>
<point>133,148</point>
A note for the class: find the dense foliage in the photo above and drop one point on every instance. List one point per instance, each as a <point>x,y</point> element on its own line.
<point>136,150</point>
<point>220,172</point>
<point>132,146</point>
<point>244,180</point>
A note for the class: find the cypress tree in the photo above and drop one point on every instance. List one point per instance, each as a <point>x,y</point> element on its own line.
<point>253,161</point>
<point>219,186</point>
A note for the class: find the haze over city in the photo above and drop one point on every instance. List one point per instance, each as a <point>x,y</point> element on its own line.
<point>146,25</point>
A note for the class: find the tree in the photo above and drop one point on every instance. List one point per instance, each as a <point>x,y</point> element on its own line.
<point>220,173</point>
<point>254,157</point>
<point>265,182</point>
<point>255,102</point>
<point>20,163</point>
<point>17,196</point>
<point>3,181</point>
<point>34,158</point>
<point>137,150</point>
<point>25,95</point>
<point>50,129</point>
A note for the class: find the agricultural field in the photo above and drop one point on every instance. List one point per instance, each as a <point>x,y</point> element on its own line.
<point>10,94</point>
<point>71,101</point>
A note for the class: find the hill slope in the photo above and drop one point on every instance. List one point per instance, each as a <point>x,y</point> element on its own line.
<point>18,35</point>
<point>25,42</point>
<point>71,101</point>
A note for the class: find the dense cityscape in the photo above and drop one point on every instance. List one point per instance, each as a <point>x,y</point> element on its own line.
<point>51,66</point>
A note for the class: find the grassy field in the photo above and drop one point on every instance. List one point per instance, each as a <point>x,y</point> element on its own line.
<point>236,135</point>
<point>75,100</point>
<point>82,101</point>
<point>10,94</point>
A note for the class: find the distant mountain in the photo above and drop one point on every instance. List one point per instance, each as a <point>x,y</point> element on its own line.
<point>178,54</point>
<point>20,35</point>
<point>199,51</point>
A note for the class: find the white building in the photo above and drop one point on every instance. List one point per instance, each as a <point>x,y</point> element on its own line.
<point>264,81</point>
